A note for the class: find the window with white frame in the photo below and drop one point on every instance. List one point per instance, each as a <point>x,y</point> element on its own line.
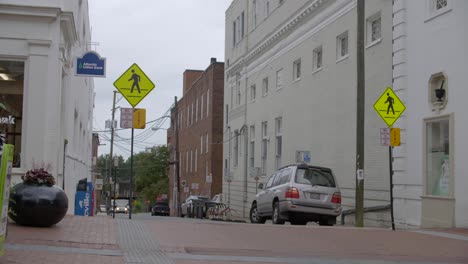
<point>191,160</point>
<point>438,160</point>
<point>207,144</point>
<point>196,111</point>
<point>297,69</point>
<point>234,30</point>
<point>265,86</point>
<point>374,29</point>
<point>196,160</point>
<point>207,103</point>
<point>236,148</point>
<point>279,79</point>
<point>253,92</point>
<point>267,8</point>
<point>264,146</point>
<point>227,114</point>
<point>440,4</point>
<point>342,46</point>
<point>238,29</point>
<point>201,108</point>
<point>201,144</point>
<point>254,13</point>
<point>188,116</point>
<point>317,57</point>
<point>193,113</point>
<point>437,7</point>
<point>279,140</point>
<point>238,94</point>
<point>252,147</point>
<point>187,162</point>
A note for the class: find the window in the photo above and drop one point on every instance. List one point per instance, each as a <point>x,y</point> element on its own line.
<point>437,7</point>
<point>253,92</point>
<point>193,113</point>
<point>238,94</point>
<point>207,143</point>
<point>438,145</point>
<point>267,8</point>
<point>201,144</point>
<point>285,176</point>
<point>254,13</point>
<point>374,29</point>
<point>201,108</point>
<point>234,34</point>
<point>297,69</point>
<point>270,181</point>
<point>279,140</point>
<point>238,29</point>
<point>207,103</point>
<point>188,116</point>
<point>315,177</point>
<point>265,86</point>
<point>187,162</point>
<point>317,63</point>
<point>11,100</point>
<point>264,146</point>
<point>440,4</point>
<point>196,112</point>
<point>196,161</point>
<point>227,114</point>
<point>191,160</point>
<point>252,146</point>
<point>342,46</point>
<point>279,79</point>
<point>242,24</point>
<point>236,148</point>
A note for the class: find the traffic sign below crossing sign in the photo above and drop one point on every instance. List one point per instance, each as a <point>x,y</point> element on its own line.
<point>134,85</point>
<point>389,107</point>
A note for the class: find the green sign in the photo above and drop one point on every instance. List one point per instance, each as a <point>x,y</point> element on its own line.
<point>5,178</point>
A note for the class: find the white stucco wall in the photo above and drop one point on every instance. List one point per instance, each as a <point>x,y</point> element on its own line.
<point>425,45</point>
<point>319,110</point>
<point>47,36</point>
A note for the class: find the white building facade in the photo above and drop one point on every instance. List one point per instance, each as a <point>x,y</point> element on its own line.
<point>290,95</point>
<point>52,107</point>
<point>431,172</point>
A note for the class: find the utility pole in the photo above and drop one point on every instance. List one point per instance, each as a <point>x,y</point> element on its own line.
<point>359,216</point>
<point>111,152</point>
<point>131,175</point>
<point>176,162</point>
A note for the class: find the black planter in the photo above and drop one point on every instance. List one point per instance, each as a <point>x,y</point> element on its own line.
<point>37,204</point>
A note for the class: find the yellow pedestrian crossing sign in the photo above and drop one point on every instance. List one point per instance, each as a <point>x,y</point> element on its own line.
<point>134,85</point>
<point>389,107</point>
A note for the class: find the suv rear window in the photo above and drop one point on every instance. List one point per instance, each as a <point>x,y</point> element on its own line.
<point>313,176</point>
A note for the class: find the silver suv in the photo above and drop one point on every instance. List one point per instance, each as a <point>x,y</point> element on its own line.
<point>299,194</point>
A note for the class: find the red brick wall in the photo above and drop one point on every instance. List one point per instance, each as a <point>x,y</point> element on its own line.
<point>212,80</point>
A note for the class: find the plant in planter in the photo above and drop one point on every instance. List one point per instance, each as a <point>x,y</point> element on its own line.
<point>37,201</point>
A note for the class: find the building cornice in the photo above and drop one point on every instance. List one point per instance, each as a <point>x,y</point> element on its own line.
<point>42,13</point>
<point>274,38</point>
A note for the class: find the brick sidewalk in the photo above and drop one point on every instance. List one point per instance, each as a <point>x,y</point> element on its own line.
<point>74,240</point>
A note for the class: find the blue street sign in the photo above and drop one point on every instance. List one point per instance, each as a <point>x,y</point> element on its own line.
<point>91,64</point>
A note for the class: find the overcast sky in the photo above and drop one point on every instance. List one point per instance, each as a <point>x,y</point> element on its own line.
<point>164,37</point>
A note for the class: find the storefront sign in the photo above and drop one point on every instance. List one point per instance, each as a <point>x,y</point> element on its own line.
<point>91,65</point>
<point>9,120</point>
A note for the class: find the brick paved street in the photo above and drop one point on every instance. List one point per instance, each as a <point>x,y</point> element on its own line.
<point>147,239</point>
<point>73,240</point>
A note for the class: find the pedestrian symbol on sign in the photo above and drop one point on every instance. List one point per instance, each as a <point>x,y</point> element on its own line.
<point>136,80</point>
<point>390,101</point>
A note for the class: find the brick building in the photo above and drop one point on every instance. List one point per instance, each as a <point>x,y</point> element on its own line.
<point>199,116</point>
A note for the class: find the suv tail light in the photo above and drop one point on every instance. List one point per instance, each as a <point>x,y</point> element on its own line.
<point>292,192</point>
<point>336,198</point>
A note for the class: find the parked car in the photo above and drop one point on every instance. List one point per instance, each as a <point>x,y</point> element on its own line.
<point>189,201</point>
<point>160,208</point>
<point>298,194</point>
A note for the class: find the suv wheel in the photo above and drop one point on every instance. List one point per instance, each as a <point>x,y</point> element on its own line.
<point>276,215</point>
<point>254,217</point>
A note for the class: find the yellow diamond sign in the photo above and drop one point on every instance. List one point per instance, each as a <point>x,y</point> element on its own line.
<point>134,85</point>
<point>389,107</point>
